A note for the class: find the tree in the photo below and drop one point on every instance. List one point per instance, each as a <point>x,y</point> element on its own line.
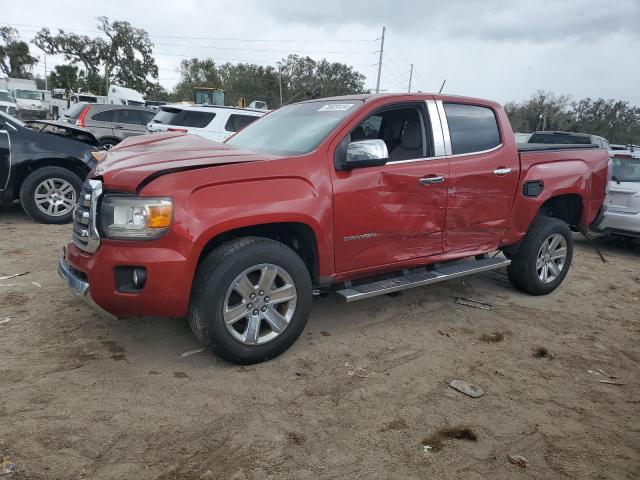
<point>16,60</point>
<point>195,72</point>
<point>543,111</point>
<point>158,93</point>
<point>617,121</point>
<point>125,56</point>
<point>64,76</point>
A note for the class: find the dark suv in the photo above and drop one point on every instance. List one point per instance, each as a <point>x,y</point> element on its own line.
<point>110,123</point>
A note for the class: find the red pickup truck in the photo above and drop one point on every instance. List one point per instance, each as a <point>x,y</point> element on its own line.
<point>361,195</point>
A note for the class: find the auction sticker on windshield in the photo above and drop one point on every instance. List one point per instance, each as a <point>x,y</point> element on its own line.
<point>335,107</point>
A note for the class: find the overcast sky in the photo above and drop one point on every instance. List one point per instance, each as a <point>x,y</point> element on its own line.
<point>497,49</point>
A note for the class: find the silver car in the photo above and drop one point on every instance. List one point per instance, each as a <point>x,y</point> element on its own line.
<point>622,213</point>
<point>109,123</point>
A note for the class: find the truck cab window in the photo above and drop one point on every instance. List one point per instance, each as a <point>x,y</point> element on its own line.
<point>472,128</point>
<point>402,129</point>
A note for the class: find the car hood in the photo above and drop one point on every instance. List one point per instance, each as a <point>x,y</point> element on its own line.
<point>135,159</point>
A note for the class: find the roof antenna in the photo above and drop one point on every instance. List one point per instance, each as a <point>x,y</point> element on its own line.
<point>442,86</point>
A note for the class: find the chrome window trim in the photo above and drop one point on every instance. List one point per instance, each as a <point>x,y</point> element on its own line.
<point>436,129</point>
<point>445,127</point>
<point>479,152</point>
<point>423,159</point>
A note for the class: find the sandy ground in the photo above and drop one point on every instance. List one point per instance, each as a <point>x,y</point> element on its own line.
<point>83,396</point>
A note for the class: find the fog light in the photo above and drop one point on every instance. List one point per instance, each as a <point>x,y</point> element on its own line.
<point>130,279</point>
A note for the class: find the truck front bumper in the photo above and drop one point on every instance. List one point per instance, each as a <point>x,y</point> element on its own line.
<point>169,264</point>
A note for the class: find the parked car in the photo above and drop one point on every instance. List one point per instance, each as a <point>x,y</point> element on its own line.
<point>8,104</point>
<point>109,123</point>
<point>216,123</point>
<point>622,214</point>
<point>362,195</point>
<point>44,167</point>
<point>565,138</point>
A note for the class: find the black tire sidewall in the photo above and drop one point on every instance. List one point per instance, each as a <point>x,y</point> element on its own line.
<point>210,305</point>
<point>522,270</point>
<point>27,191</point>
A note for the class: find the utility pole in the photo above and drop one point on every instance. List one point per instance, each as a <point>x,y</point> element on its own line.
<point>410,78</point>
<point>46,82</point>
<point>280,80</point>
<point>380,61</point>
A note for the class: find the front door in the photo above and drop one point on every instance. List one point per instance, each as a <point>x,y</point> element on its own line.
<point>396,212</point>
<point>484,176</point>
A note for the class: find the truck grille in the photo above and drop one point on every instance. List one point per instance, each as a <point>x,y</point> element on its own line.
<point>85,232</point>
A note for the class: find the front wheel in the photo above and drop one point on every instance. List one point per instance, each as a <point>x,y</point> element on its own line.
<point>49,194</point>
<point>251,300</point>
<point>544,257</point>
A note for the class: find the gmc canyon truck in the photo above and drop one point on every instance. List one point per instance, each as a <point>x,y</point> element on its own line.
<point>362,195</point>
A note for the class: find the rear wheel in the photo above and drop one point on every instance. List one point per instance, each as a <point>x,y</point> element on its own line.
<point>251,300</point>
<point>543,259</point>
<point>49,194</point>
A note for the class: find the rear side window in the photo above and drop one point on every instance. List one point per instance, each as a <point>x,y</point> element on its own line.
<point>472,128</point>
<point>183,118</point>
<point>238,122</point>
<point>130,117</point>
<point>74,111</point>
<point>106,116</point>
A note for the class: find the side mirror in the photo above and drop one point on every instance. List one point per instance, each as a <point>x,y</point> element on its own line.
<point>366,153</point>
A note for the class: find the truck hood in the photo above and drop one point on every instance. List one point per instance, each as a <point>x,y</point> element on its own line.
<point>140,158</point>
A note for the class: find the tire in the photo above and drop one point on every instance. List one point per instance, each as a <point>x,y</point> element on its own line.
<point>216,288</point>
<point>528,264</point>
<point>49,194</point>
<point>107,143</point>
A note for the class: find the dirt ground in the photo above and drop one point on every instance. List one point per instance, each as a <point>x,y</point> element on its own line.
<point>84,396</point>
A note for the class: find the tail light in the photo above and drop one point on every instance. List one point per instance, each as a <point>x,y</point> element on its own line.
<point>80,121</point>
<point>609,175</point>
<point>183,130</point>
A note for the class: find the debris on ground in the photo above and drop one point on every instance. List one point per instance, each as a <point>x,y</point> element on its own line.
<point>6,319</point>
<point>601,372</point>
<point>611,382</point>
<point>444,334</point>
<point>518,460</point>
<point>494,337</point>
<point>7,465</point>
<point>542,352</point>
<point>436,441</point>
<point>360,372</point>
<point>466,388</point>
<point>467,302</point>
<point>7,277</point>
<point>191,352</point>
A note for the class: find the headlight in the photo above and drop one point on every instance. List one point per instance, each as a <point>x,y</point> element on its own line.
<point>135,218</point>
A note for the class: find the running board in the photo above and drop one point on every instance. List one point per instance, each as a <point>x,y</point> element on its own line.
<point>411,280</point>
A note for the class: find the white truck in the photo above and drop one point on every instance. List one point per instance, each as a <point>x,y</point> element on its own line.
<point>29,100</point>
<point>7,103</point>
<point>124,96</point>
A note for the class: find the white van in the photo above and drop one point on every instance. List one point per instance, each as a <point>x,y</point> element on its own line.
<point>213,122</point>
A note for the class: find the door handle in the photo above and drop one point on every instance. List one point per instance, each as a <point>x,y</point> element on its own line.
<point>502,171</point>
<point>431,180</point>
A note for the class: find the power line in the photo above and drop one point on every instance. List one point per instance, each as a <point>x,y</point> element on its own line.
<point>191,38</point>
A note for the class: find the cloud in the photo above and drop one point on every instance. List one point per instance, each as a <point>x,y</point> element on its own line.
<point>492,20</point>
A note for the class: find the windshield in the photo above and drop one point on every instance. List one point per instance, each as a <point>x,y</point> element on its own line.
<point>9,119</point>
<point>626,170</point>
<point>28,94</point>
<point>294,129</point>
<point>5,97</point>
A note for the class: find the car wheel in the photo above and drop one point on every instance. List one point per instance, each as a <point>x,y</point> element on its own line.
<point>49,194</point>
<point>543,259</point>
<point>251,300</point>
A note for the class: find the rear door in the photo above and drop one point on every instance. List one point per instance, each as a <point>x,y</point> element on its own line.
<point>396,212</point>
<point>128,122</point>
<point>5,156</point>
<point>483,179</point>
